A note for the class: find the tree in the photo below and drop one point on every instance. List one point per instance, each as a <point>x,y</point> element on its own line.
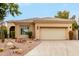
<point>65,15</point>
<point>75,25</point>
<point>73,17</point>
<point>62,14</point>
<point>6,9</point>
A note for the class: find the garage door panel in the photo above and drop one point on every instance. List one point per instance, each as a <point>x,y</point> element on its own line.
<point>52,33</point>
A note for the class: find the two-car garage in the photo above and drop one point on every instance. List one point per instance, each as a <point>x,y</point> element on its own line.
<point>52,33</point>
<point>52,29</point>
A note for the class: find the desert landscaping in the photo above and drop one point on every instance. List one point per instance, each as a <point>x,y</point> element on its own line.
<point>12,48</point>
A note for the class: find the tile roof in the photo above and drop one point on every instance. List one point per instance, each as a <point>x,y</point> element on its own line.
<point>40,19</point>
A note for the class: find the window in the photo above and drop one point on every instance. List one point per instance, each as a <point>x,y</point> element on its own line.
<point>24,29</point>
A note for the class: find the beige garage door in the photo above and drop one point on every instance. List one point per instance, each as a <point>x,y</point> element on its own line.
<point>52,33</point>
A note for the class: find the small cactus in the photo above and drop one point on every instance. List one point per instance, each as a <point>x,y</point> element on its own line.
<point>1,49</point>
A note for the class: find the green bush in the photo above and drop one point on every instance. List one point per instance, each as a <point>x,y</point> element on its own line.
<point>30,34</point>
<point>3,32</point>
<point>71,35</point>
<point>2,36</point>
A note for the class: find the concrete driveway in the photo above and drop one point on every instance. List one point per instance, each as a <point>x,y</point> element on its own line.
<point>56,48</point>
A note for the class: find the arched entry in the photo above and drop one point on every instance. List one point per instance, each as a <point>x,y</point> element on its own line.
<point>12,32</point>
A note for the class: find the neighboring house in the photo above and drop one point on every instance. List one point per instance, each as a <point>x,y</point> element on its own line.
<point>47,28</point>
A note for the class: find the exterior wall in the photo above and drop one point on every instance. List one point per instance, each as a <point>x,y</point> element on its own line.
<point>75,34</point>
<point>9,25</point>
<point>18,32</point>
<point>35,28</point>
<point>38,25</point>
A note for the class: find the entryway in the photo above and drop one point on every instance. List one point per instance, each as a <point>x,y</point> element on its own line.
<point>12,32</point>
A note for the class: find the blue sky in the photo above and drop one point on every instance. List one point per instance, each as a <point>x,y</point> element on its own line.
<point>31,10</point>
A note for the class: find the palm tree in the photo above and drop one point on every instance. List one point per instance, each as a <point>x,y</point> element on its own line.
<point>6,9</point>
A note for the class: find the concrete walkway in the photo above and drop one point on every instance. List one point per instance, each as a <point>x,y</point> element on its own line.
<point>56,48</point>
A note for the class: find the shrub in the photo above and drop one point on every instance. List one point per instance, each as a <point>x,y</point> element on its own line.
<point>0,34</point>
<point>3,32</point>
<point>70,35</point>
<point>30,34</point>
<point>1,49</point>
<point>75,25</point>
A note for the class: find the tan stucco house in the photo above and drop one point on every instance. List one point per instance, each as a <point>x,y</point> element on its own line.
<point>47,28</point>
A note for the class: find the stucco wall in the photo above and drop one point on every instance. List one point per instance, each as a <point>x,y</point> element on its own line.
<point>35,28</point>
<point>75,34</point>
<point>9,25</point>
<point>18,31</point>
<point>38,25</point>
